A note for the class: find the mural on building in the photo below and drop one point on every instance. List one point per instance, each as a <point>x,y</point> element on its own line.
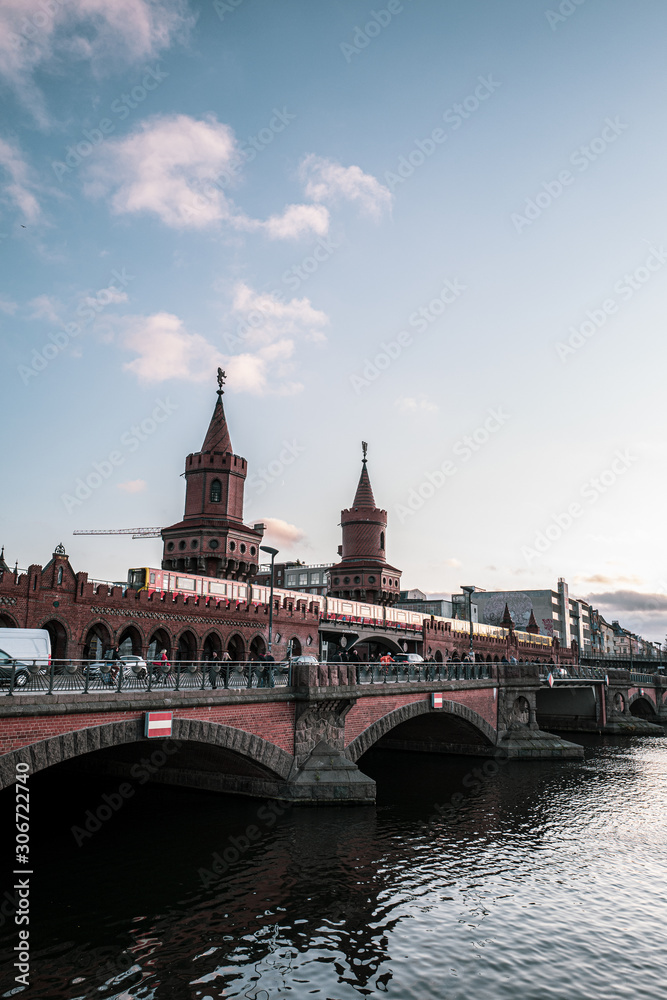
<point>519,604</point>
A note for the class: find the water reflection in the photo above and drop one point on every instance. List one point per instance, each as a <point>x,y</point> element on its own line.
<point>542,881</point>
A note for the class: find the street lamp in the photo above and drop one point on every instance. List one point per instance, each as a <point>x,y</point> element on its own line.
<point>469,591</point>
<point>273,553</point>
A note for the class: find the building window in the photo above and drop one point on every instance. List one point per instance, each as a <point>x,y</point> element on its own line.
<point>194,543</point>
<point>357,579</point>
<point>253,551</point>
<point>336,580</point>
<point>170,546</point>
<point>346,579</point>
<point>315,578</point>
<point>303,579</point>
<point>382,540</point>
<point>216,491</point>
<point>181,545</point>
<point>232,546</point>
<point>371,579</point>
<point>291,580</point>
<point>242,547</point>
<point>60,575</point>
<point>213,544</point>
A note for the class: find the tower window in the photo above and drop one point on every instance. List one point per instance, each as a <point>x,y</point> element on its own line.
<point>216,491</point>
<point>382,540</point>
<point>60,574</point>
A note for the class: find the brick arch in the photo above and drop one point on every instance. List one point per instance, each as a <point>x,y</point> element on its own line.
<point>364,741</point>
<point>66,746</point>
<point>642,697</point>
<point>7,620</point>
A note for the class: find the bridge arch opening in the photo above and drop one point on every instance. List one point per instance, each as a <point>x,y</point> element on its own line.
<point>159,640</point>
<point>454,728</point>
<point>130,641</point>
<point>236,648</point>
<point>199,754</point>
<point>212,644</point>
<point>97,641</point>
<point>643,708</point>
<point>58,636</point>
<point>295,646</point>
<point>257,647</point>
<point>186,649</point>
<point>6,621</point>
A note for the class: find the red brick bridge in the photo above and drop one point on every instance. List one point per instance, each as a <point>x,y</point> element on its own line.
<point>302,742</point>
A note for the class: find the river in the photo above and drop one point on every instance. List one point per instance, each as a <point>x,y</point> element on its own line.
<point>542,881</point>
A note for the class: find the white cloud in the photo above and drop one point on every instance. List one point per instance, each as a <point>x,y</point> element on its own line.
<point>7,306</point>
<point>327,181</point>
<point>172,166</point>
<point>281,531</point>
<point>19,185</point>
<point>166,350</point>
<point>46,307</point>
<point>109,34</point>
<point>133,486</point>
<point>266,318</point>
<point>297,221</point>
<point>168,166</point>
<point>416,404</point>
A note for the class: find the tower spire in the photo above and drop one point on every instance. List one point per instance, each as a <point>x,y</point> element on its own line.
<point>364,495</point>
<point>217,436</point>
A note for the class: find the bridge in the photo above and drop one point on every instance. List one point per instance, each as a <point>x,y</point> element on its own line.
<point>299,736</point>
<point>602,699</point>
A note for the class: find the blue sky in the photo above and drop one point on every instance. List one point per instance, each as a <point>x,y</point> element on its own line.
<point>435,226</point>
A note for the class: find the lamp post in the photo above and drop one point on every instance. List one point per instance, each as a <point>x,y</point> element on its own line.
<point>273,553</point>
<point>469,591</point>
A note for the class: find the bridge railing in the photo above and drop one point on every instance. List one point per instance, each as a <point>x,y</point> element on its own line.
<point>76,676</point>
<point>396,673</point>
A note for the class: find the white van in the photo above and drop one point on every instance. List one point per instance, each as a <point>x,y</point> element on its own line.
<point>26,644</point>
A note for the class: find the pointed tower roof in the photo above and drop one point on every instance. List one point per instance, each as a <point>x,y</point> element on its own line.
<point>532,625</point>
<point>507,619</point>
<point>217,436</point>
<point>364,495</point>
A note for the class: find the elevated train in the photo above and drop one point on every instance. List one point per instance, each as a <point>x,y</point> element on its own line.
<point>333,609</point>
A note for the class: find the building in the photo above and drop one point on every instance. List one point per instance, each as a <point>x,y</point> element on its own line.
<point>417,600</point>
<point>555,612</point>
<point>212,538</point>
<point>297,576</point>
<point>363,572</point>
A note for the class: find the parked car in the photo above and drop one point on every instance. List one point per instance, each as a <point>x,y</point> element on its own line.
<point>407,658</point>
<point>311,660</point>
<point>21,670</point>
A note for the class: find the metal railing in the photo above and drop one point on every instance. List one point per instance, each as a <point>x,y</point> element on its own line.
<point>405,673</point>
<point>583,672</point>
<point>113,676</point>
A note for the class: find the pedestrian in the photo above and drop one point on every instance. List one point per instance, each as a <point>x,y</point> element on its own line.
<point>385,660</point>
<point>163,667</point>
<point>116,664</point>
<point>214,666</point>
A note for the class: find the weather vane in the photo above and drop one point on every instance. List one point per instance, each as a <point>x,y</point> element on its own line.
<point>221,380</point>
<point>364,448</point>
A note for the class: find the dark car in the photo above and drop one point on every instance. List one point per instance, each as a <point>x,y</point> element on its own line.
<point>21,670</point>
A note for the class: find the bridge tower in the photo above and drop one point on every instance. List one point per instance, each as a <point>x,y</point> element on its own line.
<point>363,572</point>
<point>212,538</point>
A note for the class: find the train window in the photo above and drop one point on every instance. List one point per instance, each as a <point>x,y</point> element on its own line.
<point>216,491</point>
<point>217,588</point>
<point>183,583</point>
<point>152,579</point>
<point>136,577</point>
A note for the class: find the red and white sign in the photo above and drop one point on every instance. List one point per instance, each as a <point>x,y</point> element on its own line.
<point>436,699</point>
<point>158,724</point>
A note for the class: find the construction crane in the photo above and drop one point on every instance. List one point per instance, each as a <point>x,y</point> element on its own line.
<point>135,532</point>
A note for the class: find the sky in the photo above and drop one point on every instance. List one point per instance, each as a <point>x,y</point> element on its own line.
<point>435,226</point>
